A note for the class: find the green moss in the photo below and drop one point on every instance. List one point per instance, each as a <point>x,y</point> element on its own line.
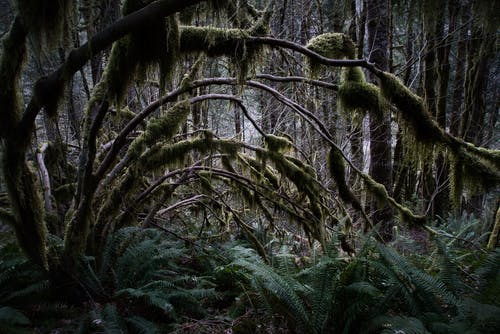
<point>162,128</point>
<point>330,45</point>
<point>333,45</point>
<point>380,193</point>
<point>156,43</point>
<point>262,174</point>
<point>336,167</point>
<point>355,74</point>
<point>363,96</point>
<point>48,20</point>
<point>479,174</point>
<point>222,42</point>
<point>277,143</point>
<point>412,110</point>
<point>213,41</point>
<point>175,154</point>
<point>475,167</point>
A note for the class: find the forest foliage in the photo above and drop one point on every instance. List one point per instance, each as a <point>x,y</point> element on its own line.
<point>210,166</point>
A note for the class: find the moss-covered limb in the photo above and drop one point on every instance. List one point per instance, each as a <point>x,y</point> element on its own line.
<point>156,42</point>
<point>412,110</point>
<point>479,174</point>
<point>330,45</point>
<point>333,45</point>
<point>477,164</point>
<point>223,42</point>
<point>172,154</point>
<point>277,144</point>
<point>276,42</point>
<point>380,193</point>
<point>493,240</point>
<point>336,166</point>
<point>163,128</point>
<point>362,96</point>
<point>100,41</point>
<point>213,41</point>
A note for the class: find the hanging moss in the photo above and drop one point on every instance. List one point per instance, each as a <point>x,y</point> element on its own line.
<point>412,109</point>
<point>380,193</point>
<point>277,144</point>
<point>222,42</point>
<point>156,43</point>
<point>330,45</point>
<point>162,128</point>
<point>479,174</point>
<point>266,173</point>
<point>307,186</point>
<point>175,154</point>
<point>355,74</point>
<point>360,96</point>
<point>475,167</point>
<point>48,20</point>
<point>336,167</point>
<point>213,41</point>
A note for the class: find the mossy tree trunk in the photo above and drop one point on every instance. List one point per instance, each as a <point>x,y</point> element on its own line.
<point>377,28</point>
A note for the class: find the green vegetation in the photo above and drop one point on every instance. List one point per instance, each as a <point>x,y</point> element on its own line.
<point>187,166</point>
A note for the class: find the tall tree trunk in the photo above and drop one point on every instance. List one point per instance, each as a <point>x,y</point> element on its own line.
<point>377,28</point>
<point>430,14</point>
<point>459,81</point>
<point>441,200</point>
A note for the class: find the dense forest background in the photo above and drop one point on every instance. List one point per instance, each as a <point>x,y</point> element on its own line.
<point>249,166</point>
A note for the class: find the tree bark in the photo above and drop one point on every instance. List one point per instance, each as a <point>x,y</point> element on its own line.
<point>377,29</point>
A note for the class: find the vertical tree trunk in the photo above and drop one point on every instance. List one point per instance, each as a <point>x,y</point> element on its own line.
<point>377,28</point>
<point>441,200</point>
<point>459,82</point>
<point>429,13</point>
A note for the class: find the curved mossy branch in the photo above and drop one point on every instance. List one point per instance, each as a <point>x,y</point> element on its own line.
<point>336,166</point>
<point>479,166</point>
<point>45,87</point>
<point>20,181</point>
<point>315,123</point>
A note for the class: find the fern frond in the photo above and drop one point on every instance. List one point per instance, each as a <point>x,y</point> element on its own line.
<point>13,321</point>
<point>140,325</point>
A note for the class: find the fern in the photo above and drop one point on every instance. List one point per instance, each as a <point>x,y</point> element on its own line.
<point>13,321</point>
<point>488,274</point>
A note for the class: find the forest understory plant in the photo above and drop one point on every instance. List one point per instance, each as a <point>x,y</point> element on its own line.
<point>140,138</point>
